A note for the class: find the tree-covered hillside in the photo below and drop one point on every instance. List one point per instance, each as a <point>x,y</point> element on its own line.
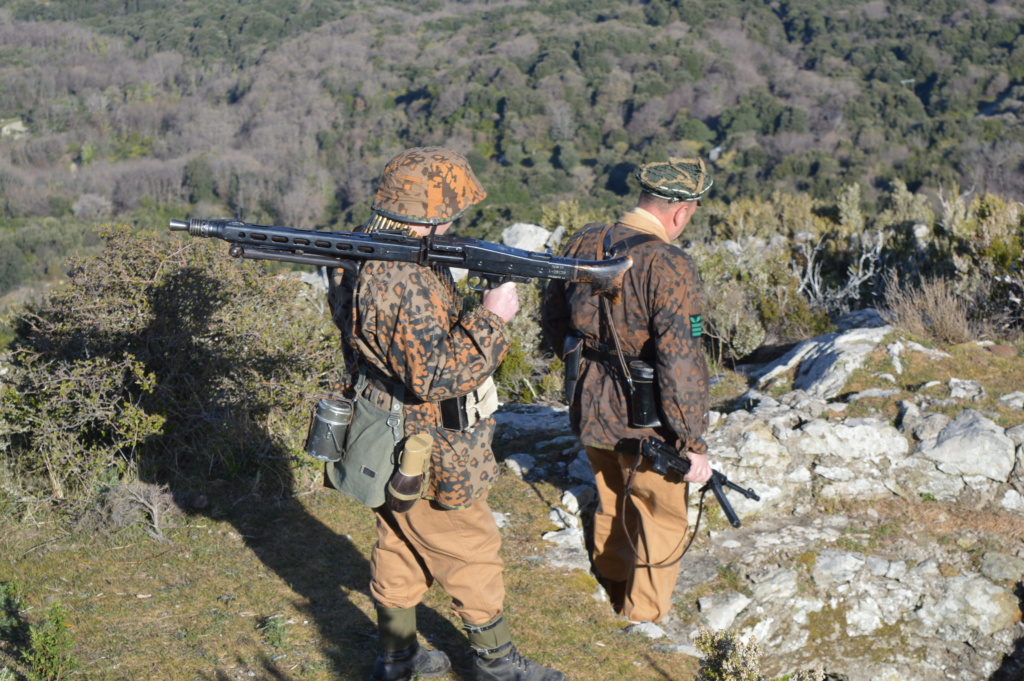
<point>285,110</point>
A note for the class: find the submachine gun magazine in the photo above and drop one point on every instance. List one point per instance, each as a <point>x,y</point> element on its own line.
<point>489,264</point>
<point>664,458</point>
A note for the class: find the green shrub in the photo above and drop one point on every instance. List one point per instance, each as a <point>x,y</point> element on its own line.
<point>527,374</point>
<point>72,421</point>
<point>173,359</point>
<point>752,298</point>
<point>49,655</point>
<point>33,250</point>
<point>570,215</point>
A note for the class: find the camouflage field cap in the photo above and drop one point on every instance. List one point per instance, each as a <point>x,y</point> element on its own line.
<point>427,185</point>
<point>678,179</point>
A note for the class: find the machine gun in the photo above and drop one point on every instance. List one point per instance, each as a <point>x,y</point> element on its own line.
<point>489,264</point>
<point>664,458</point>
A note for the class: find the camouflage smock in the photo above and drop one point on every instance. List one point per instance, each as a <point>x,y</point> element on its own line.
<point>406,323</point>
<point>657,319</point>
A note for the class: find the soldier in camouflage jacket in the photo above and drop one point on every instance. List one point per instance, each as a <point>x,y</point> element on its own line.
<point>641,523</point>
<point>406,324</point>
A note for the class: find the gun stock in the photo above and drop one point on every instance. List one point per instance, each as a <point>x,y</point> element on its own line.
<point>606,278</point>
<point>489,264</point>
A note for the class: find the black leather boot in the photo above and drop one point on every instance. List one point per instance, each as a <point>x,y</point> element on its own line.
<point>401,658</point>
<point>497,658</point>
<point>413,662</point>
<point>513,667</point>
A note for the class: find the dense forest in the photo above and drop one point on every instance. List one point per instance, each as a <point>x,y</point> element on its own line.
<point>285,111</point>
<point>864,154</point>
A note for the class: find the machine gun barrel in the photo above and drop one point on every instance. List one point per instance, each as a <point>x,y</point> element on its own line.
<point>489,264</point>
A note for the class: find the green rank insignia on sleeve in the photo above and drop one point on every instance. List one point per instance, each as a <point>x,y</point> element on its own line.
<point>696,326</point>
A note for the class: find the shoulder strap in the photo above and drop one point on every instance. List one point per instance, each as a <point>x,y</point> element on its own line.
<point>608,250</point>
<point>605,307</point>
<point>397,391</point>
<point>611,251</point>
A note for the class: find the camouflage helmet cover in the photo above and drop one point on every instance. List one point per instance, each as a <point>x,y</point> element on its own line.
<point>427,185</point>
<point>678,179</point>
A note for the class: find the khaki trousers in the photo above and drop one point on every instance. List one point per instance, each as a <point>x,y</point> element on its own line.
<point>652,519</point>
<point>458,548</point>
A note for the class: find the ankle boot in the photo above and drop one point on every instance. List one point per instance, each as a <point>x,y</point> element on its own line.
<point>497,658</point>
<point>513,667</point>
<point>401,658</point>
<point>413,662</point>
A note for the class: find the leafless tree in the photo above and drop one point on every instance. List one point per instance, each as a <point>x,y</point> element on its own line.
<point>834,300</point>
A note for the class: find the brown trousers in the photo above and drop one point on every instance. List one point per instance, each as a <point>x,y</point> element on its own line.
<point>648,527</point>
<point>458,548</point>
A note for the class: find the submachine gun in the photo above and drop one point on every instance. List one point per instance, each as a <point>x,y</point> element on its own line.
<point>489,264</point>
<point>664,458</point>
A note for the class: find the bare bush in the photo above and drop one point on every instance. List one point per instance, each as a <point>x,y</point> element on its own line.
<point>92,207</point>
<point>838,299</point>
<point>1011,296</point>
<point>134,502</point>
<point>159,180</point>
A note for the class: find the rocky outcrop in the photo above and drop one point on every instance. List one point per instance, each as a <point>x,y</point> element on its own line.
<point>818,587</point>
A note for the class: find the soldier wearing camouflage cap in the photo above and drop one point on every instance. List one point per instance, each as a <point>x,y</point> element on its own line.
<point>640,526</point>
<point>404,325</point>
<point>678,179</point>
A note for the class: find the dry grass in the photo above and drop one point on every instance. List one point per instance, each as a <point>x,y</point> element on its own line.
<point>997,375</point>
<point>932,312</point>
<point>277,588</point>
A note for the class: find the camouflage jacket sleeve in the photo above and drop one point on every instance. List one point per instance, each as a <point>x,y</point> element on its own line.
<point>409,325</point>
<point>676,327</point>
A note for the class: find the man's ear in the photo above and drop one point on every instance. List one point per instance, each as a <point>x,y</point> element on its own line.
<point>682,212</point>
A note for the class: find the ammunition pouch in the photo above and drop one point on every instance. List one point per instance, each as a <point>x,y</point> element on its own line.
<point>453,413</point>
<point>465,411</point>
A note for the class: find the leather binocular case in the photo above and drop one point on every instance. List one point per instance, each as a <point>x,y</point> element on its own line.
<point>643,401</point>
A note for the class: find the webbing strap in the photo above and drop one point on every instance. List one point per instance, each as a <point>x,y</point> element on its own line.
<point>396,389</point>
<point>605,307</point>
<point>611,251</point>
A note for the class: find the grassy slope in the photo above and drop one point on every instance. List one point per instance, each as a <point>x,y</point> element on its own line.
<point>277,588</point>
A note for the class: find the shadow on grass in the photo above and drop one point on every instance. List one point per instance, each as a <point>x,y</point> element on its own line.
<point>224,430</point>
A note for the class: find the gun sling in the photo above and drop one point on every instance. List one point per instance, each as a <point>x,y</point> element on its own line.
<point>637,374</point>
